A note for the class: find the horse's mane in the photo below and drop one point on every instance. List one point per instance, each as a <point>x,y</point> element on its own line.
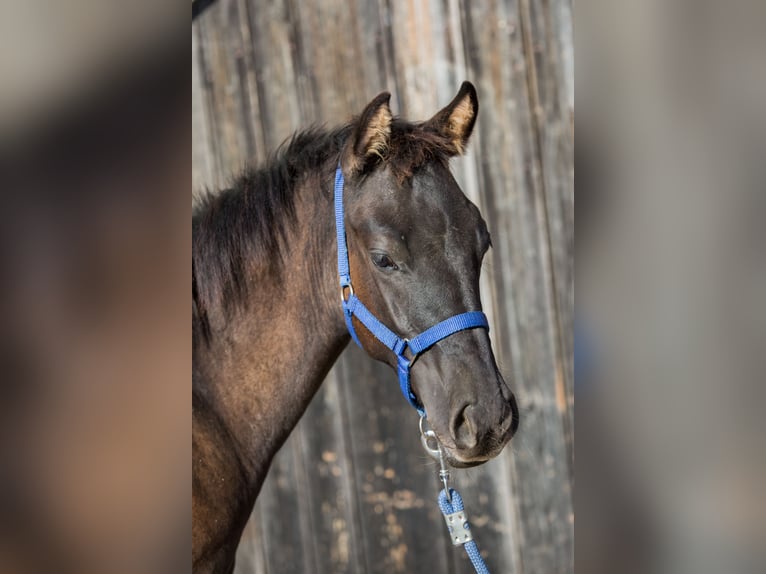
<point>249,220</point>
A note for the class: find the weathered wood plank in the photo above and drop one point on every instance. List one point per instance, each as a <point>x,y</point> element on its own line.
<point>395,480</point>
<point>330,483</point>
<point>551,99</point>
<point>202,168</point>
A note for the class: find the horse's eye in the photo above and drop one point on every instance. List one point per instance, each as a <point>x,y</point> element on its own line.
<point>383,261</point>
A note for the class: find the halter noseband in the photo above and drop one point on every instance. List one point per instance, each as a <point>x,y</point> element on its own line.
<point>353,307</point>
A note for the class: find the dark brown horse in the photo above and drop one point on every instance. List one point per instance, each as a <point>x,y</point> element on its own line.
<point>266,306</point>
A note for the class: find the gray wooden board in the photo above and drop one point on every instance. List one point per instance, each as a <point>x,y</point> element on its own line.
<point>352,490</point>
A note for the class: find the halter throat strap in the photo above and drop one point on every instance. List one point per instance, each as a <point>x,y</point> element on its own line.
<point>353,307</point>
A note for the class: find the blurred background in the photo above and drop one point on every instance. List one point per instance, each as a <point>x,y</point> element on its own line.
<point>94,243</point>
<point>669,348</point>
<point>352,490</point>
<point>671,276</point>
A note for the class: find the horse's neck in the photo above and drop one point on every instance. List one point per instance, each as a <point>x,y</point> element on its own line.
<point>266,366</point>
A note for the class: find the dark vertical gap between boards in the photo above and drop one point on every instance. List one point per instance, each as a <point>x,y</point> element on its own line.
<point>554,45</point>
<point>294,40</point>
<point>267,125</point>
<point>307,521</point>
<point>389,51</point>
<point>456,555</point>
<point>565,315</point>
<point>356,44</point>
<point>263,522</point>
<point>252,92</point>
<point>244,98</point>
<point>380,54</point>
<point>355,493</point>
<point>209,99</point>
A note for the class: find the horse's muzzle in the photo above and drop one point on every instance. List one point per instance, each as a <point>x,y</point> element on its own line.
<point>478,434</point>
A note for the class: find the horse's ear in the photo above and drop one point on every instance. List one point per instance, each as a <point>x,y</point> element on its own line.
<point>370,137</point>
<point>457,119</point>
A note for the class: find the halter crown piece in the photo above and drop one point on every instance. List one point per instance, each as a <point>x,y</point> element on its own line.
<point>353,307</point>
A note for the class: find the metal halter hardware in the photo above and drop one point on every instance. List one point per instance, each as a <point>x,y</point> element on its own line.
<point>435,452</point>
<point>353,307</point>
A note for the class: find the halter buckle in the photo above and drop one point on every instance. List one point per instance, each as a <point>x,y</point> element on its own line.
<point>343,288</point>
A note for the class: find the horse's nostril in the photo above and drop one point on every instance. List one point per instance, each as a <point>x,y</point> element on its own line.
<point>514,416</point>
<point>463,428</point>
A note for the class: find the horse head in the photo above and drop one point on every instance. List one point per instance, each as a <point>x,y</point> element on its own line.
<point>416,245</point>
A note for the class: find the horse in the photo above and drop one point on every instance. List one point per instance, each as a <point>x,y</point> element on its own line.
<point>269,319</point>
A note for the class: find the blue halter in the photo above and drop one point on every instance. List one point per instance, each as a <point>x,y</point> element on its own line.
<point>353,307</point>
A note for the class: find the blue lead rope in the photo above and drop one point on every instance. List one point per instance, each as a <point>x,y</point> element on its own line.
<point>455,509</point>
<point>353,307</point>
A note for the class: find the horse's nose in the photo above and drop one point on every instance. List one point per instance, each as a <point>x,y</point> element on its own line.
<point>475,430</point>
<point>464,427</point>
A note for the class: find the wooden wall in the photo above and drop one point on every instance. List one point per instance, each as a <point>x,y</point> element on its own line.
<point>352,491</point>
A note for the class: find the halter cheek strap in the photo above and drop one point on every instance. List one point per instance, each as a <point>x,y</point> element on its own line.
<point>353,307</point>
